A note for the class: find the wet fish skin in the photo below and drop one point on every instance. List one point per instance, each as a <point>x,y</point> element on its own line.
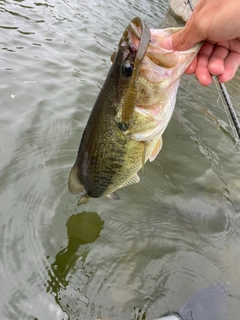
<point>110,154</point>
<point>104,149</point>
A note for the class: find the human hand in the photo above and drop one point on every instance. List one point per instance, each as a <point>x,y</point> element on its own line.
<point>217,22</point>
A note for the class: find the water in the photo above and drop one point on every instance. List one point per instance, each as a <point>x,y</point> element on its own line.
<point>137,258</point>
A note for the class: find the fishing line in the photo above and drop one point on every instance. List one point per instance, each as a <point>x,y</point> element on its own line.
<point>146,14</point>
<point>224,93</point>
<point>216,88</point>
<point>224,108</point>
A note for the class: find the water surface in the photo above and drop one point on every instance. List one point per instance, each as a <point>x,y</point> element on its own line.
<point>169,235</point>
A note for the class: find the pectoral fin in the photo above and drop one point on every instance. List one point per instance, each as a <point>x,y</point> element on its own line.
<point>74,185</point>
<point>157,148</point>
<point>144,159</point>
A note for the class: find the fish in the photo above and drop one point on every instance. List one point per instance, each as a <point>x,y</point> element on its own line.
<point>131,112</point>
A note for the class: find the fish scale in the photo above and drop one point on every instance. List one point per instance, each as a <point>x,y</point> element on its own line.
<point>131,112</point>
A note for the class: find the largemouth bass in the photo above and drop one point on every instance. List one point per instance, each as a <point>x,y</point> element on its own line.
<point>133,109</point>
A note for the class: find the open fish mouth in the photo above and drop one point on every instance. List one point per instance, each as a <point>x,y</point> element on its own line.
<point>155,74</point>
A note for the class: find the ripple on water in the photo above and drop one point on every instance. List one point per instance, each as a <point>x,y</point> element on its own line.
<point>150,250</point>
<point>23,254</point>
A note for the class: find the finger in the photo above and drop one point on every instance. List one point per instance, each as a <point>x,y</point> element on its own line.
<point>185,38</point>
<point>192,33</point>
<point>192,67</point>
<point>202,73</point>
<point>216,61</point>
<point>232,62</point>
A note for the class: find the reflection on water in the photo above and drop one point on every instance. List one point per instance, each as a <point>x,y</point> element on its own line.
<point>171,234</point>
<point>82,229</point>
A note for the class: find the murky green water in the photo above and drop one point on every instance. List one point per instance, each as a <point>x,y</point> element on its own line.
<point>173,233</point>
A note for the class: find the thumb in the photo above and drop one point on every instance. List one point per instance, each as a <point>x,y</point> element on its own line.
<point>181,40</point>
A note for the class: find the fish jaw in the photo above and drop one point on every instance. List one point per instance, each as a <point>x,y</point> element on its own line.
<point>157,86</point>
<point>152,122</point>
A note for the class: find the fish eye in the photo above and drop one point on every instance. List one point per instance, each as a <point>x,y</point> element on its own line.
<point>127,69</point>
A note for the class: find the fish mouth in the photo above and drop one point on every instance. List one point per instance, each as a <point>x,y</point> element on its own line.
<point>135,39</point>
<point>148,98</point>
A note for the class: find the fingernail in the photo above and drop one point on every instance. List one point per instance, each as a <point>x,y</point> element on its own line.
<point>166,43</point>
